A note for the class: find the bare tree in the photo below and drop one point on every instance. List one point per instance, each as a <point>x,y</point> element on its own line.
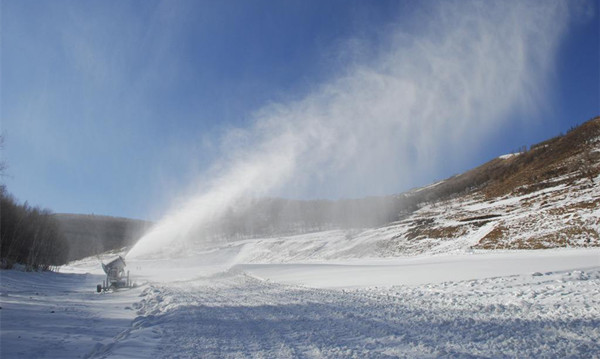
<point>3,165</point>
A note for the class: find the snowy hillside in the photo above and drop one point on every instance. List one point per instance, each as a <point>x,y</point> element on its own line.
<point>557,216</point>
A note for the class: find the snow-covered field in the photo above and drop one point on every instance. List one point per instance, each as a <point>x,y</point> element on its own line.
<point>483,304</point>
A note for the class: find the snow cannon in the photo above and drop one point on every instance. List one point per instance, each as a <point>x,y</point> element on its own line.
<point>115,275</point>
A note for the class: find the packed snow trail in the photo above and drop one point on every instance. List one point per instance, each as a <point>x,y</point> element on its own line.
<point>233,315</point>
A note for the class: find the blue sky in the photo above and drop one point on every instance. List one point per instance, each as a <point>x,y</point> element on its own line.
<point>118,107</point>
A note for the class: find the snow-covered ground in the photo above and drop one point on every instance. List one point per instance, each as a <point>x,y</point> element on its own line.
<point>424,270</point>
<point>58,315</point>
<point>212,305</point>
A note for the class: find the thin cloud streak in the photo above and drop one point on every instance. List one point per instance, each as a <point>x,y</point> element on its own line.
<point>430,95</point>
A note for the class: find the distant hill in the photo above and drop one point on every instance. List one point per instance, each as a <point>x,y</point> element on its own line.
<point>574,155</point>
<point>544,197</point>
<point>91,234</point>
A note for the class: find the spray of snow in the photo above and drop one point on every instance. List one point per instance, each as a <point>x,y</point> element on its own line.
<point>457,72</point>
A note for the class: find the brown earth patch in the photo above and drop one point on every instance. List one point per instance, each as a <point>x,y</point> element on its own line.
<point>571,236</point>
<point>422,232</point>
<point>493,239</point>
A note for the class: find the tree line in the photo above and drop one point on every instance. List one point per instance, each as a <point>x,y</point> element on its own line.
<point>89,234</point>
<point>29,235</point>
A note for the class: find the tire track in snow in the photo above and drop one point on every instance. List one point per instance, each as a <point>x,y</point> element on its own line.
<point>261,319</point>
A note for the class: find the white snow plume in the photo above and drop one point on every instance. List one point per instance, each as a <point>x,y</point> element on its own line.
<point>440,86</point>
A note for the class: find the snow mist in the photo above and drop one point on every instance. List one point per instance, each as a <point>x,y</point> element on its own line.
<point>441,85</point>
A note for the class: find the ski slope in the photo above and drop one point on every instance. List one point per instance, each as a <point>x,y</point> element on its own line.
<point>484,304</point>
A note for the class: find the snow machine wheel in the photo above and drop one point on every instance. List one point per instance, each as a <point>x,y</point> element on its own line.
<point>99,288</point>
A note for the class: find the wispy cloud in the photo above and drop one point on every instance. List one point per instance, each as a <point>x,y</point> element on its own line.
<point>437,89</point>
